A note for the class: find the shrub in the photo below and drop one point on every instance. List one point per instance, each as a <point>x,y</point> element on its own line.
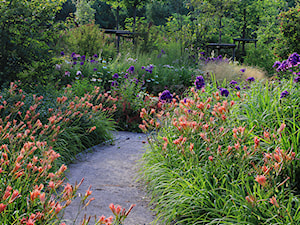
<point>88,40</point>
<point>290,32</point>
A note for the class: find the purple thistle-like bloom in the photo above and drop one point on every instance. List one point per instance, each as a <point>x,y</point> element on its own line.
<point>166,96</point>
<point>130,69</point>
<point>82,63</point>
<point>115,76</point>
<point>95,56</point>
<point>74,58</point>
<point>126,76</point>
<point>83,57</point>
<point>294,59</point>
<point>202,53</point>
<point>114,84</point>
<point>62,53</point>
<point>163,52</point>
<point>243,70</point>
<point>143,68</point>
<point>297,79</point>
<point>237,88</point>
<point>74,63</point>
<point>199,82</point>
<point>95,69</point>
<point>284,94</point>
<point>233,82</point>
<point>92,60</point>
<point>276,64</point>
<point>224,92</point>
<point>250,79</point>
<point>73,53</point>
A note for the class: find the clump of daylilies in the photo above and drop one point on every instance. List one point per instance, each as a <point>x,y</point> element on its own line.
<point>32,187</point>
<point>198,130</point>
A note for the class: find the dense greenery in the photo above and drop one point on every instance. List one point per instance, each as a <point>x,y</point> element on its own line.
<point>224,133</point>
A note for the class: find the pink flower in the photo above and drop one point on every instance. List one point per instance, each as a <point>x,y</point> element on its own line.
<point>261,179</point>
<point>210,158</point>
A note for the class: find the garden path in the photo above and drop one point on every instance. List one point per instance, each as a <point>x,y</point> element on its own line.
<point>111,171</point>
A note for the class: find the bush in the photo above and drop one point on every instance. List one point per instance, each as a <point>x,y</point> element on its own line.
<point>27,36</point>
<point>88,40</point>
<point>288,41</point>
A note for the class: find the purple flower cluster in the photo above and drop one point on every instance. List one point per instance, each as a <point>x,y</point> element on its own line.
<point>297,79</point>
<point>233,82</point>
<point>250,79</point>
<point>199,82</point>
<point>166,96</point>
<point>224,92</point>
<point>292,61</point>
<point>148,69</point>
<point>115,76</point>
<point>130,69</point>
<point>284,94</point>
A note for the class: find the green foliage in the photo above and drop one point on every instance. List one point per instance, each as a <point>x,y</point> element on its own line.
<point>288,41</point>
<point>261,57</point>
<point>27,34</point>
<point>146,39</point>
<point>85,14</point>
<point>88,39</point>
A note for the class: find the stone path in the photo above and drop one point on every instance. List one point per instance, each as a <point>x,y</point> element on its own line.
<point>111,170</point>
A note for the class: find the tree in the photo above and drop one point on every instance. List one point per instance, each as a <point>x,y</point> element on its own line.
<point>27,34</point>
<point>84,12</point>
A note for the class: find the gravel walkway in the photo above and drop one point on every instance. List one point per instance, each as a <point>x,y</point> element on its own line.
<point>111,170</point>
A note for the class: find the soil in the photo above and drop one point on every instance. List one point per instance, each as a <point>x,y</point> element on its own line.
<point>111,170</point>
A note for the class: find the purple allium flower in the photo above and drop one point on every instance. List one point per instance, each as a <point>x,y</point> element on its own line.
<point>199,82</point>
<point>202,53</point>
<point>284,94</point>
<point>166,96</point>
<point>74,63</point>
<point>276,64</point>
<point>282,66</point>
<point>82,63</point>
<point>163,52</point>
<point>237,88</point>
<point>126,76</point>
<point>73,53</point>
<point>250,79</point>
<point>74,58</point>
<point>224,92</point>
<point>95,69</point>
<point>82,57</point>
<point>130,69</point>
<point>78,73</point>
<point>294,59</point>
<point>114,84</point>
<point>233,82</point>
<point>219,58</point>
<point>62,53</point>
<point>243,70</point>
<point>143,67</point>
<point>92,60</point>
<point>115,76</point>
<point>297,79</point>
<point>95,56</point>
